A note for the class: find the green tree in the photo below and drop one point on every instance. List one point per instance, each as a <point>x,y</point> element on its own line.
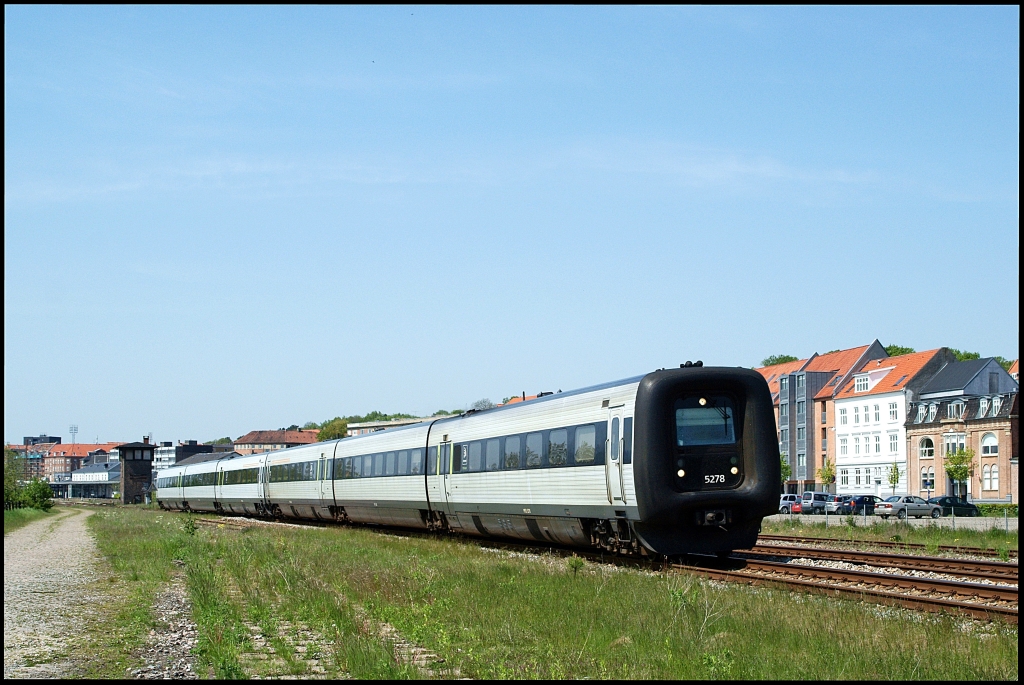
<point>311,425</point>
<point>897,350</point>
<point>14,472</point>
<point>787,471</point>
<point>962,356</point>
<point>220,441</point>
<point>894,476</point>
<point>827,472</point>
<point>335,429</point>
<point>480,405</point>
<point>1003,362</point>
<point>777,359</point>
<point>37,494</point>
<point>959,467</point>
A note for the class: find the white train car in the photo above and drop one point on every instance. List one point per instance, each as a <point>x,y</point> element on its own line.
<point>674,461</point>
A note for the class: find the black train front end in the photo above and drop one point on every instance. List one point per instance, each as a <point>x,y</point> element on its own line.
<point>706,459</point>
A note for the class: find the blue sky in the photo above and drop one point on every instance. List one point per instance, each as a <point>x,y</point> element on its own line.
<point>224,219</point>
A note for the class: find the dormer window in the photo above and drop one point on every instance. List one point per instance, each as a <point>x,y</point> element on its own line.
<point>982,407</point>
<point>997,403</point>
<point>955,410</point>
<point>860,384</point>
<point>932,410</point>
<point>921,409</point>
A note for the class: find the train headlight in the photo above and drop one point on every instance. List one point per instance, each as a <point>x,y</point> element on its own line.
<point>681,473</point>
<point>702,401</point>
<point>734,470</point>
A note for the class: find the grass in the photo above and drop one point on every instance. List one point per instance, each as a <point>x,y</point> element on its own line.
<point>490,614</point>
<point>17,518</point>
<point>931,536</point>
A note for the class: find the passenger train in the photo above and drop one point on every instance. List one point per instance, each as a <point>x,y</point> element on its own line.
<point>675,461</point>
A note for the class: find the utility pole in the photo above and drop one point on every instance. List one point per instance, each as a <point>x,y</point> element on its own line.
<point>73,429</point>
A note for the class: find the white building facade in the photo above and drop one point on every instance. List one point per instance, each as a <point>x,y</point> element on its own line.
<point>871,436</point>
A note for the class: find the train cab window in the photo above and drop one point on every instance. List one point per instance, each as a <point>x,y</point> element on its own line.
<point>403,462</point>
<point>707,420</point>
<point>511,460</point>
<point>389,468</point>
<point>492,456</point>
<point>432,461</point>
<point>475,455</point>
<point>586,441</point>
<point>558,447</point>
<point>416,461</point>
<point>534,448</point>
<point>378,464</point>
<point>445,451</point>
<point>627,440</point>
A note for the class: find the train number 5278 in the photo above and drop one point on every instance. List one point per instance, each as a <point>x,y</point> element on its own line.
<point>715,478</point>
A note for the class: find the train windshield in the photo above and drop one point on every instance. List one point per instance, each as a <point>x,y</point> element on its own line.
<point>705,420</point>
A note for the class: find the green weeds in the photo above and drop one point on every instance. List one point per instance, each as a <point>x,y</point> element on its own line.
<point>896,532</point>
<point>17,518</point>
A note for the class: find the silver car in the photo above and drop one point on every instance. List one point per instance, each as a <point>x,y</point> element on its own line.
<point>836,503</point>
<point>902,506</point>
<point>786,503</point>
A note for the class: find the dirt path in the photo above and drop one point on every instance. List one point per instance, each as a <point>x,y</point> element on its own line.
<point>49,593</point>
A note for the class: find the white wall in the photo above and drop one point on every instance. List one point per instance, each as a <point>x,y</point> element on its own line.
<point>879,462</point>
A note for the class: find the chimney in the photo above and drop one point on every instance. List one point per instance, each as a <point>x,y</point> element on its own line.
<point>145,439</point>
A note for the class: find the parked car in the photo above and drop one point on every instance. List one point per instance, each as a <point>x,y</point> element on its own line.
<point>836,504</point>
<point>858,503</point>
<point>797,507</point>
<point>955,506</point>
<point>786,503</point>
<point>902,506</point>
<point>814,502</point>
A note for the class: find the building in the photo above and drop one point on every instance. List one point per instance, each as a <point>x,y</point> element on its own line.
<point>63,459</point>
<point>43,440</point>
<point>168,454</point>
<point>1014,370</point>
<point>100,480</point>
<point>802,392</point>
<point>971,405</point>
<point>268,441</point>
<point>374,426</point>
<point>870,415</point>
<point>136,471</point>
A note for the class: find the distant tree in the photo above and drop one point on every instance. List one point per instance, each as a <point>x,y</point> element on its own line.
<point>831,351</point>
<point>894,476</point>
<point>377,416</point>
<point>897,350</point>
<point>1003,362</point>
<point>959,467</point>
<point>335,429</point>
<point>962,356</point>
<point>37,494</point>
<point>480,405</point>
<point>293,427</point>
<point>787,471</point>
<point>14,472</point>
<point>220,441</point>
<point>445,412</point>
<point>827,472</point>
<point>777,359</point>
<point>311,425</point>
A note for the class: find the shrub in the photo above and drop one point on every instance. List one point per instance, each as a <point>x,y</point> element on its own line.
<point>37,495</point>
<point>998,509</point>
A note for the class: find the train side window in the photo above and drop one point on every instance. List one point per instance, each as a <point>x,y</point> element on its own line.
<point>445,451</point>
<point>511,460</point>
<point>534,448</point>
<point>627,440</point>
<point>390,465</point>
<point>459,457</point>
<point>558,447</point>
<point>367,470</point>
<point>416,461</point>
<point>378,464</point>
<point>403,462</point>
<point>476,450</point>
<point>432,461</point>
<point>339,467</point>
<point>586,445</point>
<point>493,459</point>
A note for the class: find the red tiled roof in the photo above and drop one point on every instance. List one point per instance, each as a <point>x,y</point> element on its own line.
<point>772,373</point>
<point>838,362</point>
<point>299,437</point>
<point>80,449</point>
<point>1014,367</point>
<point>902,369</point>
<point>519,398</point>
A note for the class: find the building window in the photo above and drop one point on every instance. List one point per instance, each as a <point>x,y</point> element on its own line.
<point>856,476</point>
<point>986,478</point>
<point>955,410</point>
<point>784,384</point>
<point>995,477</point>
<point>800,408</point>
<point>989,445</point>
<point>856,445</point>
<point>784,411</point>
<point>954,442</point>
<point>800,381</point>
<point>878,416</point>
<point>894,443</point>
<point>982,407</point>
<point>932,410</point>
<point>921,409</point>
<point>856,414</point>
<point>824,412</point>
<point>801,433</point>
<point>801,460</point>
<point>842,417</point>
<point>867,415</point>
<point>844,476</point>
<point>996,404</point>
<point>842,447</point>
<point>893,412</point>
<point>878,444</point>
<point>860,384</point>
<point>926,448</point>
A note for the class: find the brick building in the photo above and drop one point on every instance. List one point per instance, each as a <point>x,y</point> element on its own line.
<point>254,442</point>
<point>63,459</point>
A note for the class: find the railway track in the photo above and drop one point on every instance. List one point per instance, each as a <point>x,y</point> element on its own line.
<point>887,544</point>
<point>978,600</point>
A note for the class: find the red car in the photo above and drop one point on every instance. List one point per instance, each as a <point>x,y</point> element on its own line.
<point>797,507</point>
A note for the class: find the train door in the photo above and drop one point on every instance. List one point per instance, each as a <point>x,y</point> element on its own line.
<point>264,492</point>
<point>445,469</point>
<point>613,456</point>
<point>325,481</point>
